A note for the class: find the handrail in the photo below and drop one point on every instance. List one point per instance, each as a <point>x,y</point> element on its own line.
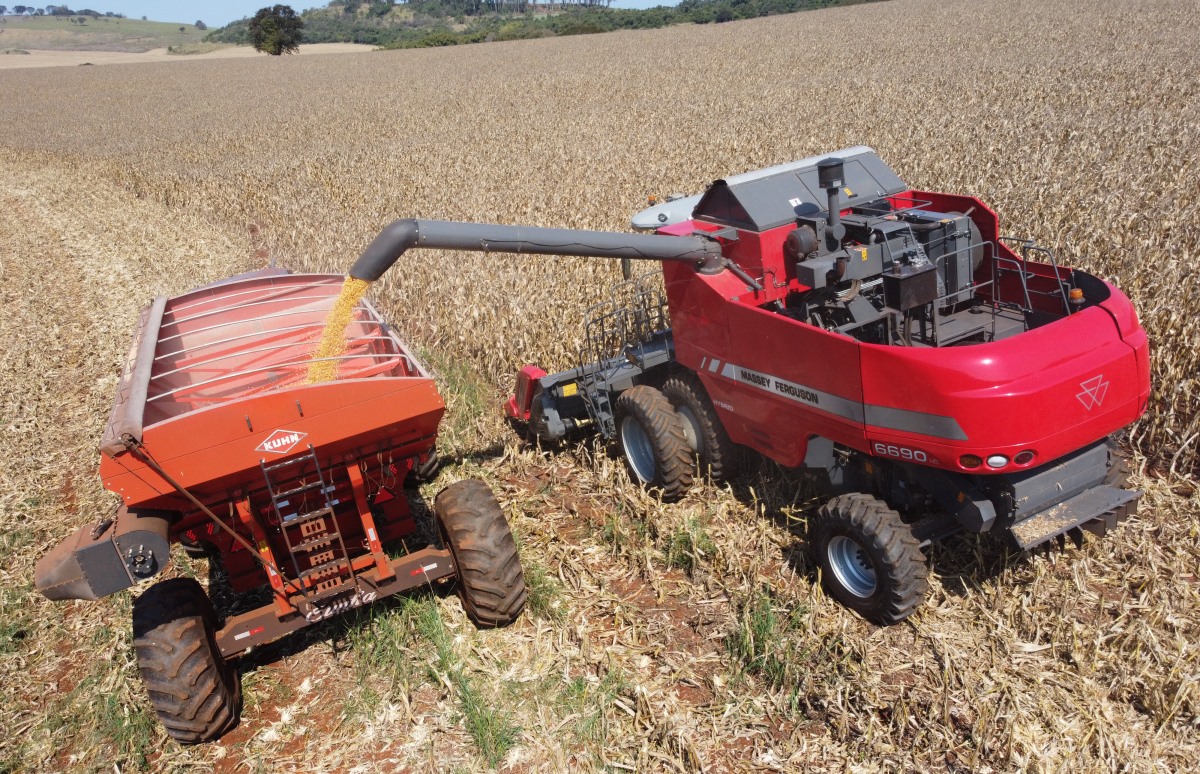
<point>276,367</point>
<point>272,348</point>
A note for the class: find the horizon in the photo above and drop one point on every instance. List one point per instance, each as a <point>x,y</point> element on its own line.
<point>223,12</point>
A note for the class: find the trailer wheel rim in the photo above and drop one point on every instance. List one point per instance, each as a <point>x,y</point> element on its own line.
<point>692,432</point>
<point>851,566</point>
<point>638,450</point>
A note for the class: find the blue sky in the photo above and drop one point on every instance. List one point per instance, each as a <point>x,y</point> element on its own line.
<point>220,12</point>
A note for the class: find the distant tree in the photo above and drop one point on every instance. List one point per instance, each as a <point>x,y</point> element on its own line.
<point>18,9</point>
<point>276,30</point>
<point>143,18</point>
<point>3,9</point>
<point>201,25</point>
<point>39,12</point>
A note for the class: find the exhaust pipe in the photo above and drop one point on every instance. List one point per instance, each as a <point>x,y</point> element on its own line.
<point>95,561</point>
<point>831,177</point>
<point>401,235</point>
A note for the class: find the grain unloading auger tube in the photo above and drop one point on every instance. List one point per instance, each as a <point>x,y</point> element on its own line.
<point>703,252</point>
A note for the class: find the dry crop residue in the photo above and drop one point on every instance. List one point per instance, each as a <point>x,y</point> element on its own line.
<point>1077,121</point>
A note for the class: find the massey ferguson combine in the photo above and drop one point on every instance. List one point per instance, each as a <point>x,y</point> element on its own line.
<point>825,314</point>
<point>218,441</point>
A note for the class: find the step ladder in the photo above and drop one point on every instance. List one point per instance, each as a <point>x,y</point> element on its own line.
<point>318,553</point>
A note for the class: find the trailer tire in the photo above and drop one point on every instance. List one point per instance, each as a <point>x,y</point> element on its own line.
<point>195,692</point>
<point>652,440</point>
<point>705,435</point>
<point>869,559</point>
<point>423,472</point>
<point>196,549</point>
<point>491,583</point>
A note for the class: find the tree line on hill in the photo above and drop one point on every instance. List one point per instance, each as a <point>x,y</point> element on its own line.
<point>424,23</point>
<point>57,10</point>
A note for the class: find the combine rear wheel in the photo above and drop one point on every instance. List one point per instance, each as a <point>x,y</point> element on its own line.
<point>490,581</point>
<point>702,427</point>
<point>870,561</point>
<point>653,441</point>
<point>195,692</point>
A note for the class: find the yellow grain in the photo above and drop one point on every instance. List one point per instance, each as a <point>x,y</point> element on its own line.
<point>324,367</point>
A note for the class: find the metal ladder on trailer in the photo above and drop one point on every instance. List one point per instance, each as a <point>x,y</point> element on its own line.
<point>319,557</point>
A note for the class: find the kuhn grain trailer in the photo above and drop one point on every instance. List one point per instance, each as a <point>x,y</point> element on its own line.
<point>217,440</point>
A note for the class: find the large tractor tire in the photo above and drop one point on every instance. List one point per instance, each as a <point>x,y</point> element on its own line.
<point>195,692</point>
<point>869,559</point>
<point>653,441</point>
<point>702,428</point>
<point>491,583</point>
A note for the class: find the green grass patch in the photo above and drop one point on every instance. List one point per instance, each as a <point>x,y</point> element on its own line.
<point>689,546</point>
<point>774,646</point>
<point>546,599</point>
<point>488,726</point>
<point>467,398</point>
<point>590,700</point>
<point>189,49</point>
<point>62,33</point>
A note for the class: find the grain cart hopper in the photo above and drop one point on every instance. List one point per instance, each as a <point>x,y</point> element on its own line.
<point>941,376</point>
<point>219,440</point>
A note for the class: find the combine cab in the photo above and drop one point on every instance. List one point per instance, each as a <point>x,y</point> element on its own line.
<point>219,441</point>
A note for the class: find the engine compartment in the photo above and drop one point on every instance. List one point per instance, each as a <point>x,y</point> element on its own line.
<point>880,262</point>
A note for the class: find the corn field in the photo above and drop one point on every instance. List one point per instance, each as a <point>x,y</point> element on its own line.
<point>685,637</point>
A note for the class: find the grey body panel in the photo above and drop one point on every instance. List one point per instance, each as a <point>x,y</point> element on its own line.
<point>680,210</point>
<point>92,563</point>
<point>1105,503</point>
<point>776,200</point>
<point>1048,485</point>
<point>563,414</point>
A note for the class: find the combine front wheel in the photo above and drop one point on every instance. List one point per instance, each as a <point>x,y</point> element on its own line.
<point>653,442</point>
<point>870,561</point>
<point>195,692</point>
<point>702,427</point>
<point>490,581</point>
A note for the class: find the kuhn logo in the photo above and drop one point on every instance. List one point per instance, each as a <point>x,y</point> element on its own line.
<point>1093,393</point>
<point>281,441</point>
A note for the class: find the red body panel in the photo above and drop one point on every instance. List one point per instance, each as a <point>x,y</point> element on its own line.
<point>214,451</point>
<point>776,381</point>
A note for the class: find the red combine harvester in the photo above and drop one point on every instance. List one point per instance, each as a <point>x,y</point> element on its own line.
<point>940,376</point>
<point>217,440</point>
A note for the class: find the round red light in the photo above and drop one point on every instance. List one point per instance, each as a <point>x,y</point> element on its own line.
<point>1024,458</point>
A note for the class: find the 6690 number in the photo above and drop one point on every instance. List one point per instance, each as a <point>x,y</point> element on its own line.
<point>902,452</point>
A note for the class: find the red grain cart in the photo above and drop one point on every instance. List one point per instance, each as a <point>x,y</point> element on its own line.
<point>217,440</point>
